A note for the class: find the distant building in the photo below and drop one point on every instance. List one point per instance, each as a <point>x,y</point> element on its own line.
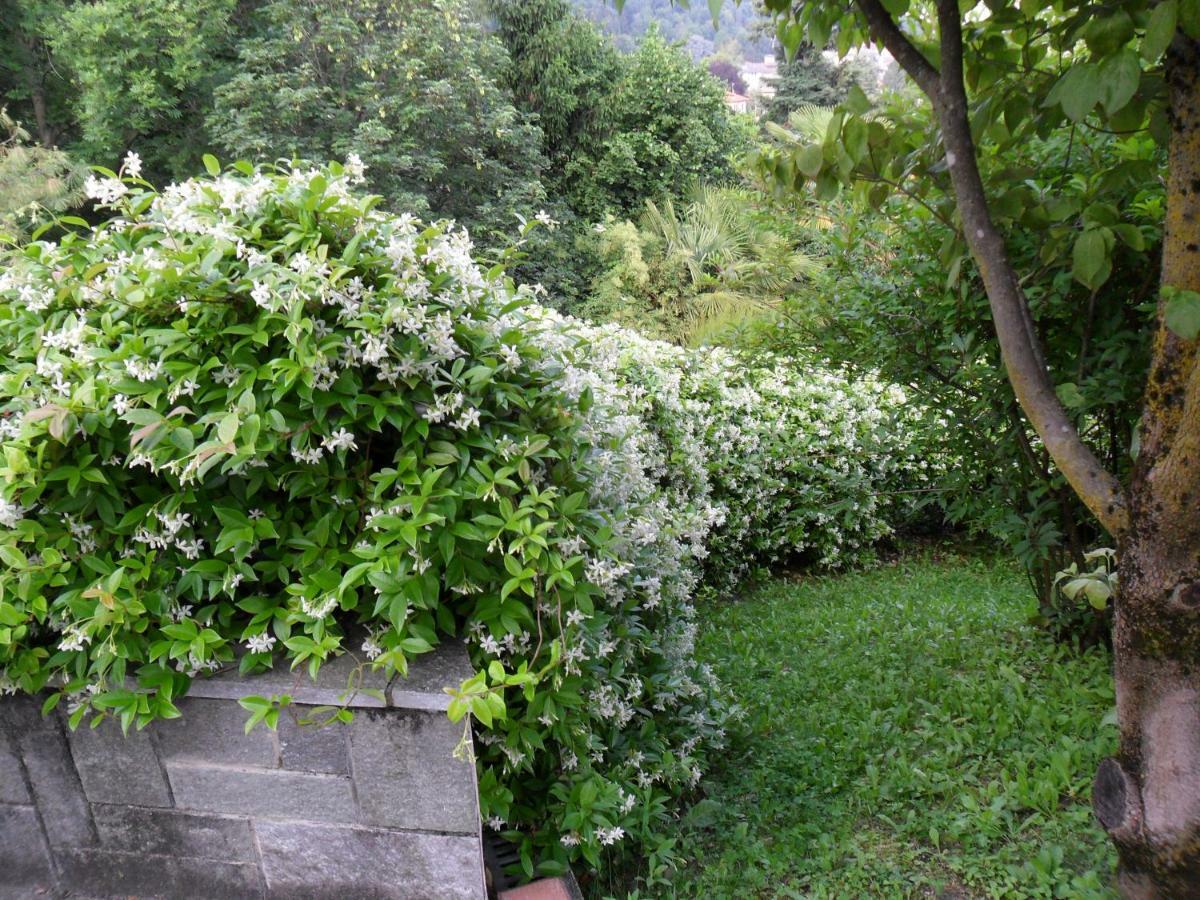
<point>738,103</point>
<point>760,78</point>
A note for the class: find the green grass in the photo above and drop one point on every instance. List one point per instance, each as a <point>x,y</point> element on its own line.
<point>907,734</point>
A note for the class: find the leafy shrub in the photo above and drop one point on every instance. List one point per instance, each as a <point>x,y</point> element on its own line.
<point>900,295</point>
<point>253,419</point>
<point>1080,606</point>
<point>682,273</point>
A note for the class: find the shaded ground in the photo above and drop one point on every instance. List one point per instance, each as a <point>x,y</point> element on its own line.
<point>908,735</point>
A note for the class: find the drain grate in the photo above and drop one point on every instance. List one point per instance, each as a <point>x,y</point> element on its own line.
<point>498,855</point>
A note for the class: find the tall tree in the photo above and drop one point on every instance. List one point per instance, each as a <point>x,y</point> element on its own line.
<point>561,69</point>
<point>29,84</point>
<point>1031,68</point>
<point>666,126</point>
<point>142,77</point>
<point>808,78</point>
<point>411,87</point>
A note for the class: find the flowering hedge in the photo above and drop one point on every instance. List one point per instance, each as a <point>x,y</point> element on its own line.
<point>252,420</point>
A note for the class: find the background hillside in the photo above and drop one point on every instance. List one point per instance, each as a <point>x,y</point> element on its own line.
<point>743,32</point>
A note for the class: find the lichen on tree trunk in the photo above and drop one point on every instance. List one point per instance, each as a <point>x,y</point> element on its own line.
<point>1148,796</point>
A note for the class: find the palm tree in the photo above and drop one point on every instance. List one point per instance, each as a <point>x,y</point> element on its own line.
<point>731,263</point>
<point>806,124</point>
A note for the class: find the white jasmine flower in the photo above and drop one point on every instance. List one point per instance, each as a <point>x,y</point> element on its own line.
<point>105,191</point>
<point>132,166</point>
<point>74,639</point>
<point>340,440</point>
<point>355,169</point>
<point>467,419</point>
<point>610,836</point>
<point>10,513</point>
<point>260,643</point>
<point>320,608</point>
<point>312,455</point>
<point>261,294</point>
<point>371,649</point>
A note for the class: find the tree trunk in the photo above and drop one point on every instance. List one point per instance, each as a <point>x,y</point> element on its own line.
<point>35,79</point>
<point>1148,796</point>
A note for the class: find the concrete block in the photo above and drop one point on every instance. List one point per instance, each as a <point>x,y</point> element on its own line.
<point>115,767</point>
<point>421,689</point>
<point>216,730</point>
<point>167,832</point>
<point>273,793</point>
<point>331,863</point>
<point>97,873</point>
<point>12,778</point>
<point>407,775</point>
<point>24,857</point>
<point>57,792</point>
<point>308,748</point>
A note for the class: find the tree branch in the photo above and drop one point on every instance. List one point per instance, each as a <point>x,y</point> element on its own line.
<point>885,30</point>
<point>1020,347</point>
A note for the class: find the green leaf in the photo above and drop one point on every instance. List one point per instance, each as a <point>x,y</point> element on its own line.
<point>810,159</point>
<point>791,35</point>
<point>211,165</point>
<point>1106,34</point>
<point>1069,395</point>
<point>1090,261</point>
<point>1131,235</point>
<point>1078,91</point>
<point>1189,18</point>
<point>1182,313</point>
<point>13,557</point>
<point>854,138</point>
<point>1159,31</point>
<point>228,428</point>
<point>1119,79</point>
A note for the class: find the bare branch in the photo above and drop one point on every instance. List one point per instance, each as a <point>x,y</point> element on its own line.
<point>885,30</point>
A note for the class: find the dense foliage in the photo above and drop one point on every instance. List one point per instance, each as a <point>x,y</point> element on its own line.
<point>617,130</point>
<point>668,128</point>
<point>899,296</point>
<point>412,89</point>
<point>561,69</point>
<point>807,78</point>
<point>141,73</point>
<point>684,272</point>
<point>35,183</point>
<point>252,414</point>
<point>454,117</point>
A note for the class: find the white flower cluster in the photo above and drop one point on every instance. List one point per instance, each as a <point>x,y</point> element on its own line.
<point>393,409</point>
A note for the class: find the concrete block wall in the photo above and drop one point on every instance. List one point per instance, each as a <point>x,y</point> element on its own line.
<point>195,808</point>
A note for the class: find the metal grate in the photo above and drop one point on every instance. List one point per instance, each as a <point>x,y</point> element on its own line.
<point>498,855</point>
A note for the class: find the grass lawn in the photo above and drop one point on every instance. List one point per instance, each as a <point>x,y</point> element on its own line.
<point>907,735</point>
